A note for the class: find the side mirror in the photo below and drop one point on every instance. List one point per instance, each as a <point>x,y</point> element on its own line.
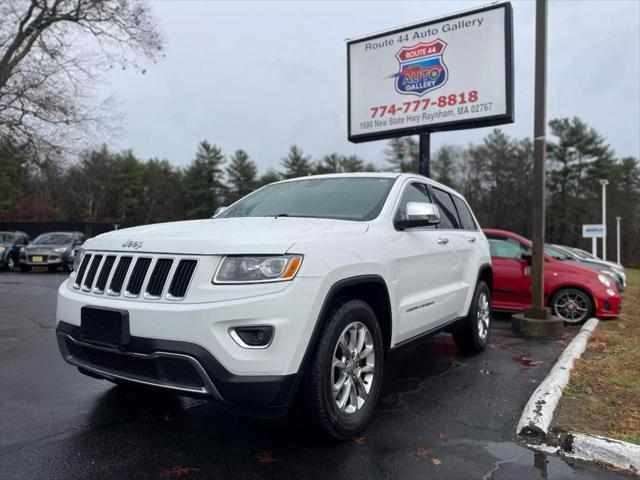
<point>218,211</point>
<point>527,258</point>
<point>419,214</point>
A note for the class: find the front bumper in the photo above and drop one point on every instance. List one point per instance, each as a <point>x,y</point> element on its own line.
<point>47,260</point>
<point>609,306</point>
<point>180,366</point>
<point>195,336</point>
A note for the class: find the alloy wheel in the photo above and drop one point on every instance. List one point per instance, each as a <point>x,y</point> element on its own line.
<point>11,264</point>
<point>483,315</point>
<point>353,368</point>
<point>571,306</point>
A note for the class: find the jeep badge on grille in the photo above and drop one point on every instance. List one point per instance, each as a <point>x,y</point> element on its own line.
<point>135,244</point>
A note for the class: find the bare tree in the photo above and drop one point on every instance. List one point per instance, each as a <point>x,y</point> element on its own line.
<point>53,55</point>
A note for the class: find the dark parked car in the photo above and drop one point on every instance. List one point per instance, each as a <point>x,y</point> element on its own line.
<point>10,245</point>
<point>51,250</point>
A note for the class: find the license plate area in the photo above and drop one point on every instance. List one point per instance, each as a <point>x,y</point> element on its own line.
<point>37,259</point>
<point>105,326</point>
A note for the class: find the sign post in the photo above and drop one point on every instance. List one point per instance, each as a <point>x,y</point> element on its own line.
<point>594,232</point>
<point>618,239</point>
<point>449,73</point>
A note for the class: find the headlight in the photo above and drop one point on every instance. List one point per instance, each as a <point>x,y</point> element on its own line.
<point>2,249</point>
<point>604,279</point>
<point>77,259</point>
<point>60,250</point>
<point>257,269</point>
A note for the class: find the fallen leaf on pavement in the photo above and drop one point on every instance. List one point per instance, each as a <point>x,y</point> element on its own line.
<point>422,452</point>
<point>266,456</point>
<point>435,461</point>
<point>358,440</point>
<point>442,435</point>
<point>177,471</point>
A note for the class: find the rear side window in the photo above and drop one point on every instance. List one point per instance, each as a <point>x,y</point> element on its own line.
<point>466,219</point>
<point>448,217</point>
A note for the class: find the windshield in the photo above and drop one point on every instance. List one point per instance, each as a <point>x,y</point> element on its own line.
<point>53,239</point>
<point>557,254</point>
<point>341,198</point>
<point>582,253</point>
<point>6,237</point>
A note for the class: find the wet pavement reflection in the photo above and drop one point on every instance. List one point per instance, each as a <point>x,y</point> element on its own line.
<point>440,415</point>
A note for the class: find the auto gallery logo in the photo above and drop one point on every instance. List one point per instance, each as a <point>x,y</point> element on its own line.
<point>422,68</point>
<point>135,244</point>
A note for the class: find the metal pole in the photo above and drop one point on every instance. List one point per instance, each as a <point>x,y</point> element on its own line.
<point>604,184</point>
<point>618,238</point>
<point>594,246</point>
<point>537,309</point>
<point>425,154</point>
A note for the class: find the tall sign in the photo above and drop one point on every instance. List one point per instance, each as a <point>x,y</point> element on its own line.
<point>593,231</point>
<point>450,73</point>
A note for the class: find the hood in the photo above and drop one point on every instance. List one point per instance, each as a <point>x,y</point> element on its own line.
<point>573,268</point>
<point>219,236</point>
<point>45,248</point>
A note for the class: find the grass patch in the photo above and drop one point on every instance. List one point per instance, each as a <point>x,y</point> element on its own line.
<point>603,395</point>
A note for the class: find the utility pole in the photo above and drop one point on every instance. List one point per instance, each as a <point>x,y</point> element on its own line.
<point>425,154</point>
<point>537,310</point>
<point>604,184</point>
<point>618,238</point>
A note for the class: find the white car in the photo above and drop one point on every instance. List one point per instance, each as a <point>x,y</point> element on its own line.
<point>299,288</point>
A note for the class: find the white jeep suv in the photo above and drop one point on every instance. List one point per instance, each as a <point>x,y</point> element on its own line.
<point>300,287</point>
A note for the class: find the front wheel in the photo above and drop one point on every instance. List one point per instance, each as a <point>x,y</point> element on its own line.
<point>344,381</point>
<point>572,305</point>
<point>473,334</point>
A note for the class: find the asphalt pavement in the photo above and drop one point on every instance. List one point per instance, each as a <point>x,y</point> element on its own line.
<point>441,415</point>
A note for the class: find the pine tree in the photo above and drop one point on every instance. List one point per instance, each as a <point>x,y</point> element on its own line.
<point>296,163</point>
<point>242,175</point>
<point>576,150</point>
<point>270,176</point>
<point>204,188</point>
<point>331,163</point>
<point>445,165</point>
<point>403,153</point>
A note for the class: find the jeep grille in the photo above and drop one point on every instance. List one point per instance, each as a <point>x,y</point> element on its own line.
<point>152,276</point>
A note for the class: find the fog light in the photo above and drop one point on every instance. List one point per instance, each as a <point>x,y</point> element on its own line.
<point>611,291</point>
<point>252,337</point>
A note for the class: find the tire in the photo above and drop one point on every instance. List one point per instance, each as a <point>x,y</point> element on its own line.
<point>334,363</point>
<point>11,263</point>
<point>572,305</point>
<point>473,334</point>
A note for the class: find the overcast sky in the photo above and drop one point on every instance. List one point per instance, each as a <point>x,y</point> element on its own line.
<point>264,75</point>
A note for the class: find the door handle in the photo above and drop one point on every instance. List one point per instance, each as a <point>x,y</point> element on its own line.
<point>443,240</point>
<point>471,239</point>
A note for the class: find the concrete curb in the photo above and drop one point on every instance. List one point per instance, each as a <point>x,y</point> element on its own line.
<point>622,455</point>
<point>538,412</point>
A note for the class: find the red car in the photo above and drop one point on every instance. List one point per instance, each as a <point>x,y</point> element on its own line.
<point>572,292</point>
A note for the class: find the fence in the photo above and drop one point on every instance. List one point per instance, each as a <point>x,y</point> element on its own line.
<point>33,229</point>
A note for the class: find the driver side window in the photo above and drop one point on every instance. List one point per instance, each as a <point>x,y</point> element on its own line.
<point>506,248</point>
<point>414,192</point>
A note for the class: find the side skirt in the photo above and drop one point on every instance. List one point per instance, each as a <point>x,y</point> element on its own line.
<point>448,326</point>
